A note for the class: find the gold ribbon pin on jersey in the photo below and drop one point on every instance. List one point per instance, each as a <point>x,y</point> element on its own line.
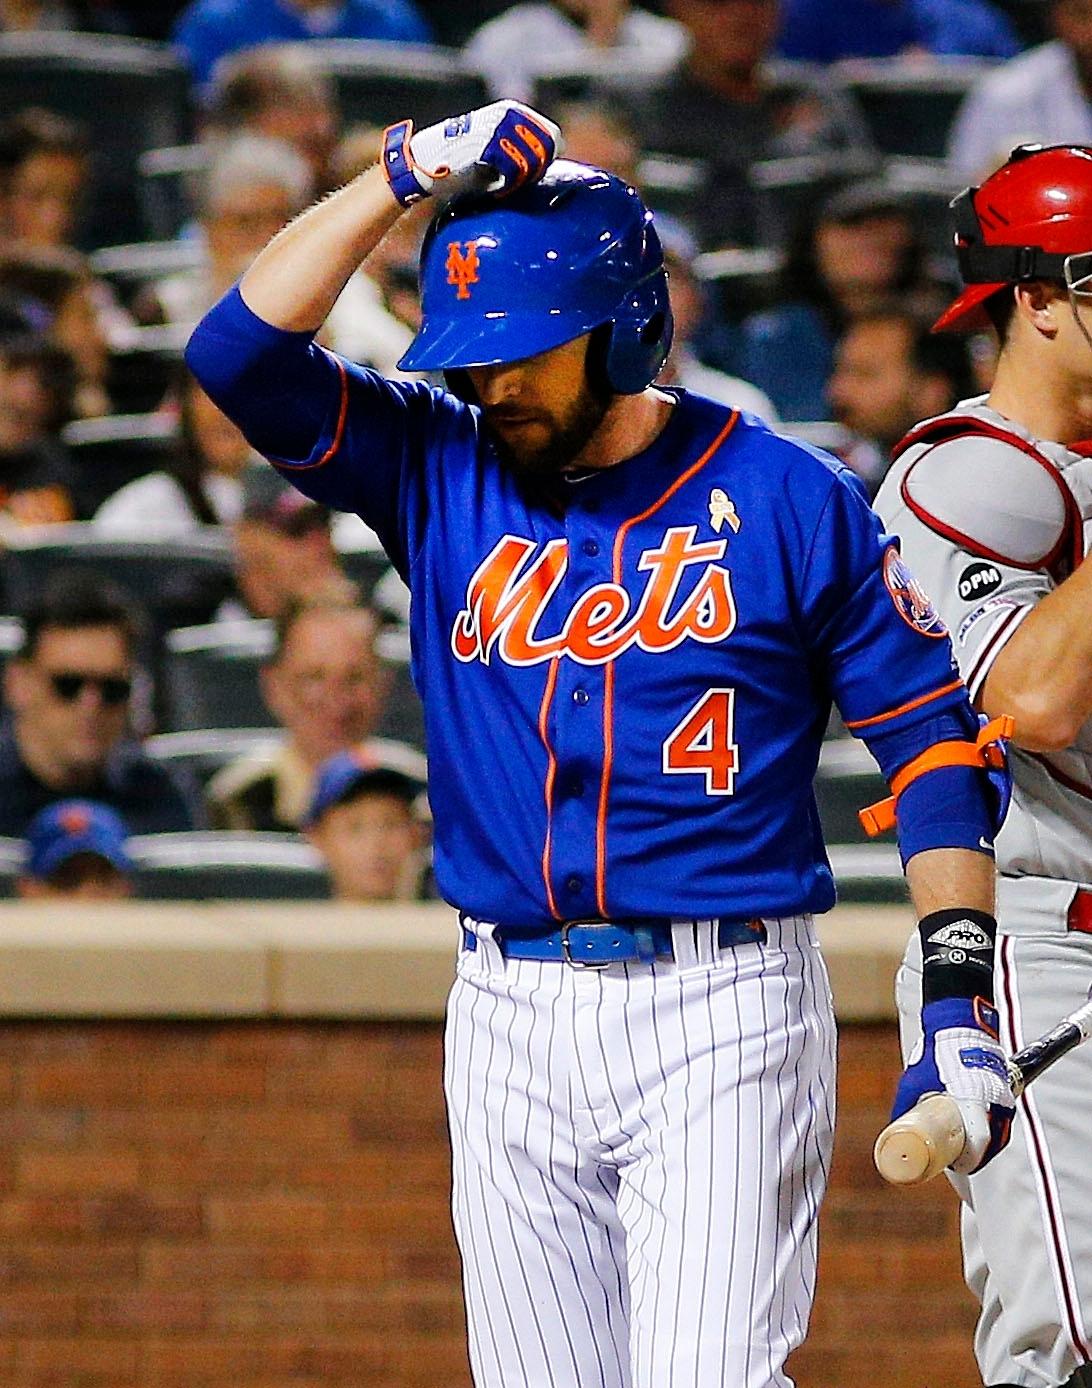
<point>721,509</point>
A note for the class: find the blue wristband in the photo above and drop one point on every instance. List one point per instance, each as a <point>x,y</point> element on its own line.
<point>397,165</point>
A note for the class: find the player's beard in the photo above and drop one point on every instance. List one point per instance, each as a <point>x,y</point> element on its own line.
<point>563,444</point>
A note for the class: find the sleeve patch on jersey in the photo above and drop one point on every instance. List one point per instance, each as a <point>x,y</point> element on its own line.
<point>979,580</point>
<point>912,602</point>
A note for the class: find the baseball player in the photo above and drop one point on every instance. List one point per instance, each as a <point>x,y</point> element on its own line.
<point>992,502</point>
<point>631,609</point>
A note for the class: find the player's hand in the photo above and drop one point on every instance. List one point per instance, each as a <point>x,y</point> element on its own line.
<point>959,1055</point>
<point>499,147</point>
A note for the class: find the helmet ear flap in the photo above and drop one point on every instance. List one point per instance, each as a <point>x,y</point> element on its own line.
<point>457,381</point>
<point>597,362</point>
<point>641,338</point>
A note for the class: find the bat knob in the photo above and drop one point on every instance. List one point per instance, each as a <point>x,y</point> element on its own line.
<point>903,1158</point>
<point>920,1144</point>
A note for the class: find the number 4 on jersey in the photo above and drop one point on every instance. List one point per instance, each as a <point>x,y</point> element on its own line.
<point>702,743</point>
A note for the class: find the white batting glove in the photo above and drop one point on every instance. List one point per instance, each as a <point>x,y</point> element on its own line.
<point>504,145</point>
<point>959,1054</point>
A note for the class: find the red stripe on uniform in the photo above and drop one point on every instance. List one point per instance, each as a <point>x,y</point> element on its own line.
<point>1037,1146</point>
<point>992,646</point>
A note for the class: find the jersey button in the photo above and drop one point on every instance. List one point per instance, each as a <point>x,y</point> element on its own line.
<point>580,696</point>
<point>574,884</point>
<point>590,548</point>
<point>576,788</point>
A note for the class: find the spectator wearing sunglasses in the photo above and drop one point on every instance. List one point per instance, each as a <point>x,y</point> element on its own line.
<point>67,729</point>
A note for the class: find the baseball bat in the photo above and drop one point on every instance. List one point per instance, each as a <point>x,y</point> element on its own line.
<point>920,1144</point>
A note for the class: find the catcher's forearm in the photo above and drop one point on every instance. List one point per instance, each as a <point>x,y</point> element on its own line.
<point>295,281</point>
<point>1043,672</point>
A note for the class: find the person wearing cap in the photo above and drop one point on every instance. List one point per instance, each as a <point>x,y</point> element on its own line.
<point>77,849</point>
<point>283,551</point>
<point>367,821</point>
<point>327,687</point>
<point>992,502</point>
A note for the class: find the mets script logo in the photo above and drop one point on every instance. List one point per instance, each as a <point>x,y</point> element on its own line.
<point>462,266</point>
<point>507,597</point>
<point>911,600</point>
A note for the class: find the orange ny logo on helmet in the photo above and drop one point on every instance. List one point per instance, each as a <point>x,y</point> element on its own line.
<point>74,819</point>
<point>462,266</point>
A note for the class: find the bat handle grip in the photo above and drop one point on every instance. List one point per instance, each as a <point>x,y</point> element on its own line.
<point>920,1144</point>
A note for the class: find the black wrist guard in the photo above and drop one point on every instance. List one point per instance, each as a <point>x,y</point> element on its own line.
<point>957,955</point>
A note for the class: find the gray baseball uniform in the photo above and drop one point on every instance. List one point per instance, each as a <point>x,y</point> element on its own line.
<point>992,520</point>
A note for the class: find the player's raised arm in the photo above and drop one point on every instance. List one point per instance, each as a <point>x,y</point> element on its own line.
<point>253,351</point>
<point>295,281</point>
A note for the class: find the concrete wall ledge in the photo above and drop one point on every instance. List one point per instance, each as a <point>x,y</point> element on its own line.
<point>320,960</point>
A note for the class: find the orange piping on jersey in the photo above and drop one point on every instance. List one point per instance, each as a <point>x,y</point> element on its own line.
<point>604,787</point>
<point>551,772</point>
<point>985,751</point>
<point>904,708</point>
<point>335,443</point>
<point>608,678</point>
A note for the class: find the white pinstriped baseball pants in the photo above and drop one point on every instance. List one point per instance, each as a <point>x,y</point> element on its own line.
<point>639,1154</point>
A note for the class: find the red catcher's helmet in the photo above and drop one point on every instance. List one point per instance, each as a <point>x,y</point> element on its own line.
<point>1022,224</point>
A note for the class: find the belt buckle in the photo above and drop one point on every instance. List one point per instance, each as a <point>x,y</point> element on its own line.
<point>566,948</point>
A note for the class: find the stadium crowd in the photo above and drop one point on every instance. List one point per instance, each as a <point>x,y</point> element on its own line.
<point>193,649</point>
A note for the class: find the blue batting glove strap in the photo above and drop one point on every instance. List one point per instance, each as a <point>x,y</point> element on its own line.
<point>959,1055</point>
<point>518,153</point>
<point>398,166</point>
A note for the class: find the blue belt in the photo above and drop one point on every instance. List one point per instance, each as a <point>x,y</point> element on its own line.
<point>595,944</point>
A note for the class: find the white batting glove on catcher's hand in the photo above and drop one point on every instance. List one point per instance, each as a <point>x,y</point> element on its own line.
<point>503,146</point>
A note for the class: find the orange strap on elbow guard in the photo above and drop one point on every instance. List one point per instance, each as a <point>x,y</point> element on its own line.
<point>984,751</point>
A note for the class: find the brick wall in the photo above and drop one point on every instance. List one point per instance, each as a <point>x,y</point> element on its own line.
<point>265,1206</point>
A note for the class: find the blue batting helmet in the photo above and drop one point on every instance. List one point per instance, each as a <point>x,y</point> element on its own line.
<point>506,279</point>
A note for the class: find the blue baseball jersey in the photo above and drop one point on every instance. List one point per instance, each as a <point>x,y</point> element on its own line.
<point>626,688</point>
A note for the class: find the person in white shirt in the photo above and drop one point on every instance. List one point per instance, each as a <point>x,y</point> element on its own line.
<point>202,487</point>
<point>526,38</point>
<point>1041,96</point>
